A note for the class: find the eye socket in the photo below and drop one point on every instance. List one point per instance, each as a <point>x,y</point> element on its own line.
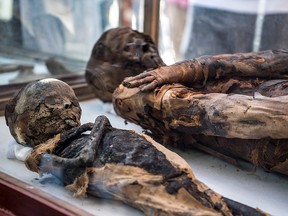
<point>126,48</point>
<point>57,103</point>
<point>145,47</point>
<point>50,101</point>
<point>75,103</point>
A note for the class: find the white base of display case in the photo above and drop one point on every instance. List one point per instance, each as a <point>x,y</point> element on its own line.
<point>256,188</point>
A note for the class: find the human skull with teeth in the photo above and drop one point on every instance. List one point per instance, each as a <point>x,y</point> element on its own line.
<point>41,110</point>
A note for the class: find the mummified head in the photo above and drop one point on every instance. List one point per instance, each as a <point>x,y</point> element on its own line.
<point>119,53</point>
<point>41,110</point>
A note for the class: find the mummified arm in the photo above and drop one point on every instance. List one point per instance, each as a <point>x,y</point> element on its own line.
<point>43,161</point>
<point>34,160</point>
<point>264,64</point>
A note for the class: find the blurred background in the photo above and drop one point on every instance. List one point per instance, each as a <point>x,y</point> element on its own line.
<point>33,31</point>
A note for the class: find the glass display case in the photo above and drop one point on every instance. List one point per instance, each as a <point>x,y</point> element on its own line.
<point>54,38</point>
<point>41,39</point>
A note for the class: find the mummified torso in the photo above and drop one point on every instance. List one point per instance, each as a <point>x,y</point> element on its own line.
<point>120,147</point>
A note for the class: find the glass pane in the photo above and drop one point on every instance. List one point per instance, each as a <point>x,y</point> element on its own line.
<point>36,32</point>
<point>192,28</point>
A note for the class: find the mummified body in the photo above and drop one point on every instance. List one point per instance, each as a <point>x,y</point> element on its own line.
<point>131,167</point>
<point>108,162</point>
<point>235,106</point>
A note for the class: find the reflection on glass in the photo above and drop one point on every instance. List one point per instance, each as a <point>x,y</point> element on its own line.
<point>217,26</point>
<point>57,36</point>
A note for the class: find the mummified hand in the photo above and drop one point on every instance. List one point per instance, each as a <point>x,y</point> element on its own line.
<point>150,79</point>
<point>68,159</point>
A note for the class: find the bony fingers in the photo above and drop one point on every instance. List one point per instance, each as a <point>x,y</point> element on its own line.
<point>139,76</point>
<point>147,79</point>
<point>141,87</point>
<point>139,82</point>
<point>149,86</point>
<point>126,83</point>
<point>128,79</point>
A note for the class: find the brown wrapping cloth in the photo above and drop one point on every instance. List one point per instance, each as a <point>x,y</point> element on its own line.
<point>230,126</point>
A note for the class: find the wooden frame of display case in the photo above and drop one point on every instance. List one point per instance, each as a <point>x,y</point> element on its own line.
<point>19,198</point>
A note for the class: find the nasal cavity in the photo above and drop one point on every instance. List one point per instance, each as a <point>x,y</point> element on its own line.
<point>67,105</point>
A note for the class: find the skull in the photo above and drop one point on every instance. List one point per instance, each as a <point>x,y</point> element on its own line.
<point>119,53</point>
<point>41,110</point>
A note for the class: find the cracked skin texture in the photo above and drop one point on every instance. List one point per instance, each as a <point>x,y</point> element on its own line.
<point>135,169</point>
<point>41,110</point>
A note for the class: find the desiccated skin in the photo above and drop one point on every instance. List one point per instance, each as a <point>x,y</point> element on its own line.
<point>270,64</point>
<point>235,106</point>
<point>131,167</point>
<point>41,110</point>
<point>119,53</point>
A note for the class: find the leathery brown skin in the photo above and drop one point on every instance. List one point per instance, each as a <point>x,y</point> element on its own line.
<point>233,106</point>
<point>124,165</point>
<point>119,53</point>
<point>41,110</point>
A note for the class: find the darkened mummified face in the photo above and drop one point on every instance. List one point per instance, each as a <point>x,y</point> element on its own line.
<point>119,52</point>
<point>41,110</point>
